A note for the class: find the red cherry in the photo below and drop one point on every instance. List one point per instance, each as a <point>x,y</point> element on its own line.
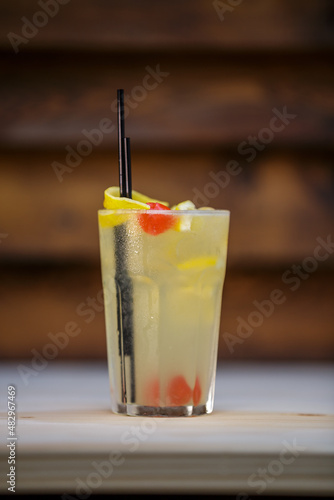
<point>178,391</point>
<point>157,206</point>
<point>197,392</point>
<point>154,223</point>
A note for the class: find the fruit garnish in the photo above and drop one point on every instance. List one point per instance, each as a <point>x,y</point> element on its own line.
<point>197,392</point>
<point>110,220</point>
<point>184,221</point>
<point>184,205</point>
<point>157,206</point>
<point>178,391</point>
<point>198,263</point>
<point>146,199</point>
<point>113,192</point>
<point>155,224</point>
<point>114,202</point>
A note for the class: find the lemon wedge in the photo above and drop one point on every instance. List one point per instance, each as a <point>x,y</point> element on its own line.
<point>108,220</point>
<point>198,263</point>
<point>146,199</point>
<point>113,201</point>
<point>184,221</point>
<point>184,205</point>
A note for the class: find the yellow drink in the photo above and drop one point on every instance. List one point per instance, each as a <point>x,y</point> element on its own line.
<point>163,273</point>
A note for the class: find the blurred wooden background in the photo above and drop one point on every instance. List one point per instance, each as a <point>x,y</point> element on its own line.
<point>224,67</point>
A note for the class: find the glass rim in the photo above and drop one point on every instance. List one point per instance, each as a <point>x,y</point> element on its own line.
<point>197,212</point>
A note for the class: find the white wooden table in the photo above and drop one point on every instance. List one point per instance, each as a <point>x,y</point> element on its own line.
<point>272,432</point>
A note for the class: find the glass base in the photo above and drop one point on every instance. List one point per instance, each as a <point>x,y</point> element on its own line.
<point>161,411</point>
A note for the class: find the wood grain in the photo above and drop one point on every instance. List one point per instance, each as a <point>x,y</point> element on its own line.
<point>191,24</point>
<point>272,418</point>
<point>232,100</point>
<point>40,301</point>
<point>280,204</point>
<point>221,83</point>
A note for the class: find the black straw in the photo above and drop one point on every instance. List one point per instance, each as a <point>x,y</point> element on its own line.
<point>127,165</point>
<point>120,129</point>
<point>124,288</point>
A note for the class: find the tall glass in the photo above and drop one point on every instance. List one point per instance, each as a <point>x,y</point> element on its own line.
<point>163,274</point>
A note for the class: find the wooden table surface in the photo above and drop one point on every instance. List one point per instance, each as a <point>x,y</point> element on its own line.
<point>271,432</point>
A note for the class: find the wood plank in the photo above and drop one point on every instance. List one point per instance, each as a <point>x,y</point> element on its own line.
<point>280,204</point>
<point>232,100</point>
<point>190,24</point>
<point>39,302</point>
<point>263,419</point>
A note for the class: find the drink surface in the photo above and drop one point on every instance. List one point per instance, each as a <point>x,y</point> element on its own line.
<point>162,277</point>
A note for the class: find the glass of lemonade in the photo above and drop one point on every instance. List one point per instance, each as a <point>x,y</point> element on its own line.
<point>163,274</point>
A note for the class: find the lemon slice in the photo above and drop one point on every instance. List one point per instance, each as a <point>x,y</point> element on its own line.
<point>184,221</point>
<point>108,220</point>
<point>184,205</point>
<point>113,201</point>
<point>146,199</point>
<point>198,263</point>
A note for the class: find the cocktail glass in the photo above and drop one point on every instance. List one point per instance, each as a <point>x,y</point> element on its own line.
<point>163,274</point>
